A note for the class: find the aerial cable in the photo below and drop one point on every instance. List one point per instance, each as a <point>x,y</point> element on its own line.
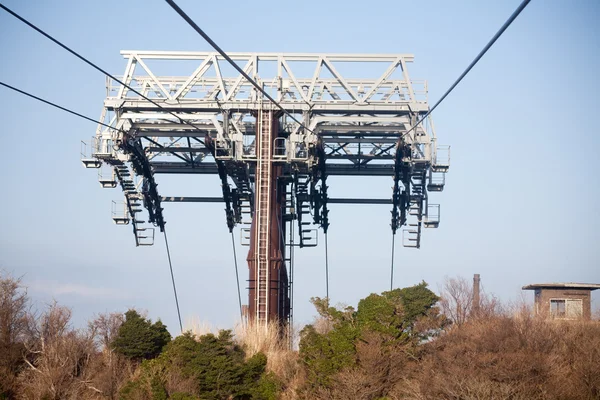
<point>173,279</point>
<point>56,105</point>
<point>230,61</point>
<point>290,263</point>
<point>503,28</point>
<point>291,275</point>
<point>237,277</point>
<point>31,25</point>
<point>94,121</point>
<point>508,22</point>
<point>101,123</point>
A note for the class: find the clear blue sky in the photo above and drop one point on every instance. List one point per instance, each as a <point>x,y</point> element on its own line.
<point>519,205</point>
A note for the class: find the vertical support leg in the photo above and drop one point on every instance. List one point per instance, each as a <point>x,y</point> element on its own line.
<point>268,294</point>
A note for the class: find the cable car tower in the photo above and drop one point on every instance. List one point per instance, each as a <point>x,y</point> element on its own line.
<point>273,169</point>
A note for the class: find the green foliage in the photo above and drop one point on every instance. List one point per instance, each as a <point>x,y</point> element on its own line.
<point>183,396</point>
<point>157,388</point>
<point>268,388</point>
<point>138,338</point>
<point>325,354</point>
<point>391,315</point>
<point>395,313</point>
<point>416,300</point>
<point>379,313</point>
<point>132,390</point>
<point>214,366</point>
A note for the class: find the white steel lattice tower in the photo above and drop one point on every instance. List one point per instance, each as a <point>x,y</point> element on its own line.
<point>273,169</point>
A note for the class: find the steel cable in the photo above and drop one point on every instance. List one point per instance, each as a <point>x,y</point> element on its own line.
<point>55,105</point>
<point>508,22</point>
<point>237,277</point>
<point>173,280</point>
<point>392,269</point>
<point>92,120</point>
<point>326,269</point>
<point>85,60</point>
<point>195,26</point>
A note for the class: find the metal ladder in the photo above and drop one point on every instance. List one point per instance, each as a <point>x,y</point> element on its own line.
<point>303,212</point>
<point>144,235</point>
<point>245,196</point>
<point>411,236</point>
<point>263,196</point>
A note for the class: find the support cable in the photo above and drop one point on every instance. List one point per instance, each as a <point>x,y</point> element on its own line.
<point>326,269</point>
<point>237,277</point>
<point>173,280</point>
<point>55,105</point>
<point>94,121</point>
<point>508,22</point>
<point>291,282</point>
<point>85,60</point>
<point>392,269</point>
<point>290,287</point>
<point>230,61</point>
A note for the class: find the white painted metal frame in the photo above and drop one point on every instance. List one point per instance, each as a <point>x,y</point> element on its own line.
<point>357,121</point>
<point>323,99</point>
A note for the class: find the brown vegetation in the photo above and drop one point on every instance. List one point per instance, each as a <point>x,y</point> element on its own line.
<point>43,357</point>
<point>281,360</point>
<point>490,354</point>
<point>509,357</point>
<point>393,346</point>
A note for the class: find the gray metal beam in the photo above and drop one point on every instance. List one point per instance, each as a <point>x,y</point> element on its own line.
<point>334,169</point>
<point>183,199</point>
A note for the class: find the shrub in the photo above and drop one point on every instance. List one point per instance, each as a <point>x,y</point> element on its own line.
<point>209,367</point>
<point>516,357</point>
<point>138,338</point>
<point>387,325</point>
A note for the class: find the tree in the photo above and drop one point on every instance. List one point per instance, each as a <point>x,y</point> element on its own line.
<point>139,339</point>
<point>59,359</point>
<point>217,365</point>
<point>207,367</point>
<point>15,330</point>
<point>456,301</point>
<point>110,369</point>
<point>396,313</point>
<point>383,326</point>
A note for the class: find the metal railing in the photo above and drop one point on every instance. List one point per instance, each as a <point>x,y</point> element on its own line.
<point>107,177</point>
<point>441,160</point>
<point>280,148</point>
<point>87,154</point>
<point>432,219</point>
<point>120,213</point>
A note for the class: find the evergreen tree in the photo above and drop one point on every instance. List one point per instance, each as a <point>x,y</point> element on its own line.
<point>139,339</point>
<point>208,367</point>
<point>392,316</point>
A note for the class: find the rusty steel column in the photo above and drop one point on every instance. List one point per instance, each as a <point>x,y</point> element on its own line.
<point>476,288</point>
<point>268,299</point>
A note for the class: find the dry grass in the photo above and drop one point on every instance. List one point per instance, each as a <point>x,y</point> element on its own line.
<point>516,356</point>
<point>504,351</point>
<point>281,359</point>
<point>198,327</point>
